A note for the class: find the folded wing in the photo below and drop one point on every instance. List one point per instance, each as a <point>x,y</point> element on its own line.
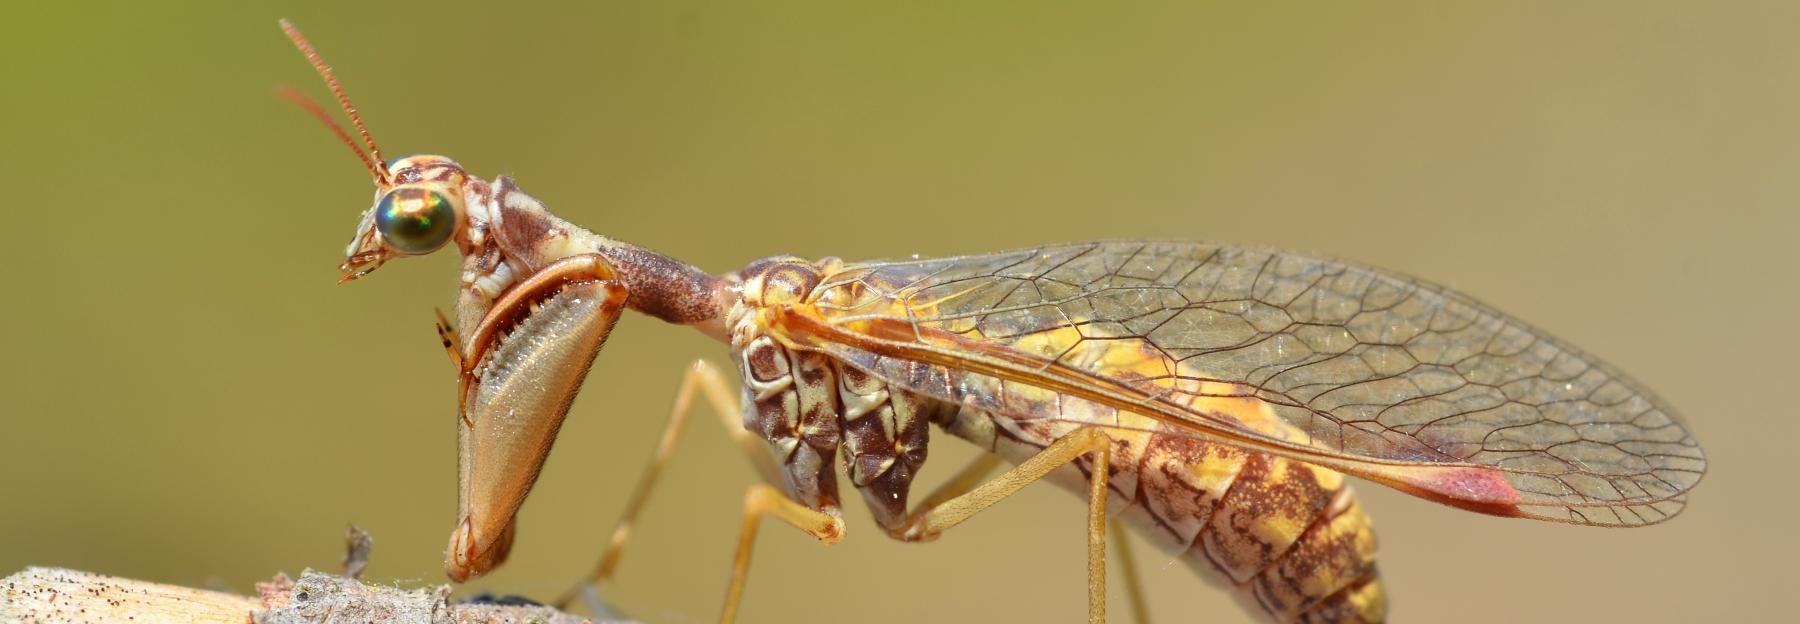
<point>1366,371</point>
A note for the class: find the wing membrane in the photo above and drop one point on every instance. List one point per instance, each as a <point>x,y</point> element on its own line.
<point>1371,372</point>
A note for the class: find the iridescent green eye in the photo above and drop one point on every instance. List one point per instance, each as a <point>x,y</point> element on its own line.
<point>415,220</point>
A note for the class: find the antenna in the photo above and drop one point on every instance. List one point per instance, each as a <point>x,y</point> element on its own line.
<point>376,164</point>
<point>300,99</point>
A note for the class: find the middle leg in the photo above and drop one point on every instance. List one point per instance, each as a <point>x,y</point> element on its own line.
<point>761,500</point>
<point>704,380</point>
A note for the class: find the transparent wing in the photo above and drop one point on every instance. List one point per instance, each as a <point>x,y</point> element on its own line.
<point>1370,372</point>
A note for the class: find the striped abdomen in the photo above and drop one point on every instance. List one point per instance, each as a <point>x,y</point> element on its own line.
<point>1287,537</point>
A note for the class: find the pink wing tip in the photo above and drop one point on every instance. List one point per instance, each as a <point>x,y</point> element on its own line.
<point>1483,490</point>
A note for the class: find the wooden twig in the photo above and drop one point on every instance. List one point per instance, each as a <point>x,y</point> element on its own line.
<point>58,596</point>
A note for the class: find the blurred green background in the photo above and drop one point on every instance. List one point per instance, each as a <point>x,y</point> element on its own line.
<point>188,397</point>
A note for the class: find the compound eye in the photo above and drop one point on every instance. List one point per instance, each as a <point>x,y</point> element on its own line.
<point>414,220</point>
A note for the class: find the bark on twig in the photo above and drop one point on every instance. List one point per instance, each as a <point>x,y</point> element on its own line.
<point>55,595</point>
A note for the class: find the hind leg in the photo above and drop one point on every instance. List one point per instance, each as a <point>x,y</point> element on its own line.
<point>948,507</point>
<point>973,475</point>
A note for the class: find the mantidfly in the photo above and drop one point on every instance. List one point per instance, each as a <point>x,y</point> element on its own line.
<point>1211,396</point>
